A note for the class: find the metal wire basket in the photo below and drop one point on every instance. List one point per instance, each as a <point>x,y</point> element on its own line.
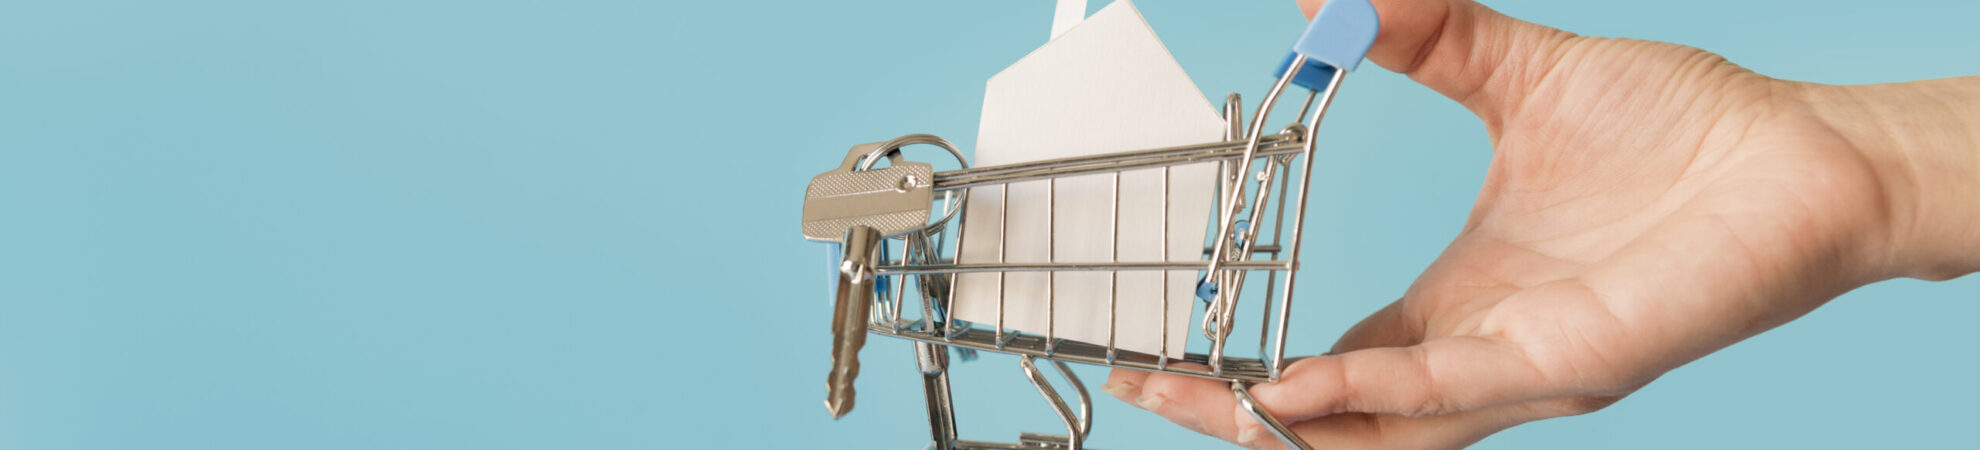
<point>908,294</point>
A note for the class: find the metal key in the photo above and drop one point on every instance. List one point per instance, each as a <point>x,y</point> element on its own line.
<point>850,307</point>
<point>893,200</point>
<point>859,208</point>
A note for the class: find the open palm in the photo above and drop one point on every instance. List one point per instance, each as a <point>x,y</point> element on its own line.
<point>1646,204</point>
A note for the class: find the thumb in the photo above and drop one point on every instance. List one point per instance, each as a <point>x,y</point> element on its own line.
<point>1460,48</point>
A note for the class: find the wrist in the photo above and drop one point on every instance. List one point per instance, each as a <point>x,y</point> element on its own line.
<point>1922,140</point>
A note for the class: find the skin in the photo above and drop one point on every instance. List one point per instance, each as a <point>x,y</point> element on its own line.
<point>1647,204</point>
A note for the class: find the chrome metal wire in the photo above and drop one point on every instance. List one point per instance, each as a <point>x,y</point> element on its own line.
<point>935,264</point>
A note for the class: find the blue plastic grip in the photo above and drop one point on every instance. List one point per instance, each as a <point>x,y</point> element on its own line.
<point>1339,35</point>
<point>1313,75</point>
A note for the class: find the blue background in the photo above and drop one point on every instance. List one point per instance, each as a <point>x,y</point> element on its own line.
<point>500,224</point>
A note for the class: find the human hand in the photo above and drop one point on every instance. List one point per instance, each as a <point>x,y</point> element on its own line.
<point>1647,204</point>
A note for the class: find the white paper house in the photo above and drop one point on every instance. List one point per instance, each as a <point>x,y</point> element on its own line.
<point>1105,85</point>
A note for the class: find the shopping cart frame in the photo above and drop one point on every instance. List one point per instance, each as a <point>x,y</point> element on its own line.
<point>926,257</point>
<point>871,289</point>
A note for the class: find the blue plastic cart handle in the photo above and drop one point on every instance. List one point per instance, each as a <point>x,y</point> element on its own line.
<point>1337,39</point>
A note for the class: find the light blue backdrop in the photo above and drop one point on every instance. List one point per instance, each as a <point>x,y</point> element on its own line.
<point>500,224</point>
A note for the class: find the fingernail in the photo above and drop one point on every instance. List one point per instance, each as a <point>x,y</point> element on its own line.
<point>1246,435</point>
<point>1150,402</point>
<point>1120,390</point>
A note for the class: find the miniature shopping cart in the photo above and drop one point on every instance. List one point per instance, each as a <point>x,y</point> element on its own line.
<point>866,211</point>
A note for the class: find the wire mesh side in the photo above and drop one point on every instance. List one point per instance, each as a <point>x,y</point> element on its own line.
<point>944,329</point>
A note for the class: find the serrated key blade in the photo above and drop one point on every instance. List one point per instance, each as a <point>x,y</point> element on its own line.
<point>851,305</point>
